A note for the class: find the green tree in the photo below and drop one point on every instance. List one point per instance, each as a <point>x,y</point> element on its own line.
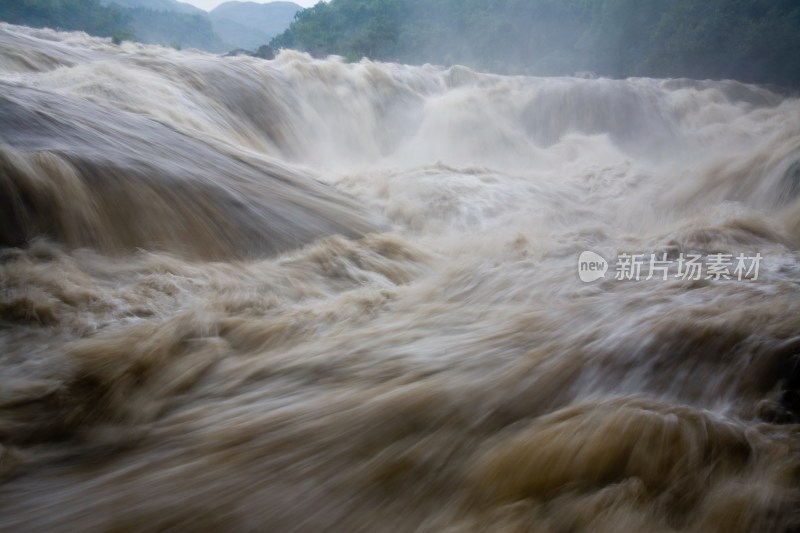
<point>84,15</point>
<point>750,40</point>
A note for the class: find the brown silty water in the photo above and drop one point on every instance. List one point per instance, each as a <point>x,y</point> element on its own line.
<point>303,295</point>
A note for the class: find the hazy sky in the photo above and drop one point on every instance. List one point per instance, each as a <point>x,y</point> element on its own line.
<point>211,4</point>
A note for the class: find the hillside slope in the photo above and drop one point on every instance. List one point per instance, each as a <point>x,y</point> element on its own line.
<point>267,19</point>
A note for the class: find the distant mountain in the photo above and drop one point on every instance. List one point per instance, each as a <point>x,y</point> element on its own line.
<point>238,36</point>
<point>170,23</point>
<point>173,28</point>
<point>158,5</point>
<point>249,24</point>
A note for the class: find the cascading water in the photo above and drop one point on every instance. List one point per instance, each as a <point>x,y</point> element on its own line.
<point>306,295</point>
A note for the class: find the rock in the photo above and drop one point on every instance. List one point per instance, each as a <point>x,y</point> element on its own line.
<point>264,51</point>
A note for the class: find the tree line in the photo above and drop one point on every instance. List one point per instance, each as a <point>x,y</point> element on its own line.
<point>748,40</point>
<point>68,15</point>
<point>168,28</point>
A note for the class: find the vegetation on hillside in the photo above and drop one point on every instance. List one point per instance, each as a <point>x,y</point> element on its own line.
<point>72,15</point>
<point>167,22</point>
<point>171,28</point>
<point>749,40</point>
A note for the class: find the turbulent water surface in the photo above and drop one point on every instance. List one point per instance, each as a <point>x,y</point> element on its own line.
<point>305,295</point>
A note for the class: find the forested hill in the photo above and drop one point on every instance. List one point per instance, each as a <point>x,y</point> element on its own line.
<point>83,15</point>
<point>748,40</point>
<point>183,27</point>
<point>158,5</point>
<point>168,22</point>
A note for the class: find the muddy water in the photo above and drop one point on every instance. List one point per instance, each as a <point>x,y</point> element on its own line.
<point>304,295</point>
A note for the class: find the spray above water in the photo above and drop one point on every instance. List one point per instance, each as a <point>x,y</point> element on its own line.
<point>302,295</point>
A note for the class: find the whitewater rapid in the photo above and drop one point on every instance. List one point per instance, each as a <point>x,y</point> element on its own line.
<point>304,295</point>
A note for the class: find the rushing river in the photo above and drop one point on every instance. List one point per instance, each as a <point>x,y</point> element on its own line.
<point>306,295</point>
